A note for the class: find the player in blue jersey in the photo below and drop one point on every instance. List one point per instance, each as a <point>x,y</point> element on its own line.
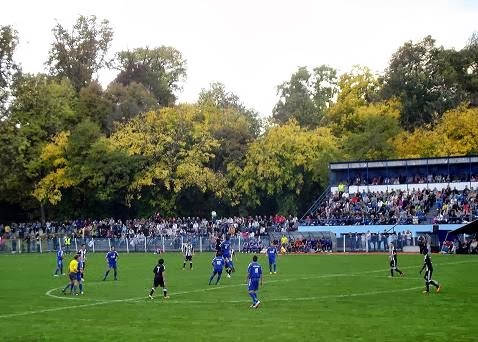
<point>254,279</point>
<point>111,259</point>
<point>59,262</point>
<point>217,267</point>
<point>272,255</point>
<point>226,254</point>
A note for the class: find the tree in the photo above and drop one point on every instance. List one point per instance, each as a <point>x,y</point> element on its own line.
<point>85,165</point>
<point>306,96</point>
<point>283,165</point>
<point>159,70</point>
<point>376,125</point>
<point>9,69</point>
<point>176,147</point>
<point>419,76</point>
<point>218,96</point>
<point>95,104</point>
<point>455,134</point>
<point>357,88</point>
<point>81,53</point>
<point>129,101</point>
<point>41,109</point>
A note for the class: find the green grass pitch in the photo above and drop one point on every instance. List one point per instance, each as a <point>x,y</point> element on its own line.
<point>312,298</point>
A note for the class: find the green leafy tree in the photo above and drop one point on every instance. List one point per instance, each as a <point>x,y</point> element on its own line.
<point>218,96</point>
<point>306,96</point>
<point>159,70</point>
<point>176,147</point>
<point>9,69</point>
<point>284,165</point>
<point>81,52</point>
<point>129,101</point>
<point>419,76</point>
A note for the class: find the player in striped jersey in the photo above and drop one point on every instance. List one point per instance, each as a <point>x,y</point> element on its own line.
<point>188,252</point>
<point>428,267</point>
<point>394,262</point>
<point>82,259</point>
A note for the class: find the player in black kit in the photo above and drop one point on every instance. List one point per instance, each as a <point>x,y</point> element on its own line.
<point>159,279</point>
<point>428,267</point>
<point>394,262</point>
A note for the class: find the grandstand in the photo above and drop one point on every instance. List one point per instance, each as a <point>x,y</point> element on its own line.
<point>406,195</point>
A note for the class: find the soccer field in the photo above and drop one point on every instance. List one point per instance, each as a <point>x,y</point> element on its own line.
<point>312,298</point>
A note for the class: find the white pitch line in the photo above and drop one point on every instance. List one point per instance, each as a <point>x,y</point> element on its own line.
<point>359,294</point>
<point>25,313</point>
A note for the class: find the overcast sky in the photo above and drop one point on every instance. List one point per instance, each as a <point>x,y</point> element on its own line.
<point>250,45</point>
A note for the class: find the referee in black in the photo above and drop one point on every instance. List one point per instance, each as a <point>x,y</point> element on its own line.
<point>159,279</point>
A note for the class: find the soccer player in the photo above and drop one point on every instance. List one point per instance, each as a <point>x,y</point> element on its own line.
<point>272,255</point>
<point>59,262</point>
<point>254,278</point>
<point>111,257</point>
<point>393,261</point>
<point>159,279</point>
<point>428,267</point>
<point>79,274</point>
<point>217,267</point>
<point>188,251</point>
<point>72,274</point>
<point>82,259</point>
<point>226,254</point>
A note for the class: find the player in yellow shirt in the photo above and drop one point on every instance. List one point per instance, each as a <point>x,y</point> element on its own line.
<point>72,273</point>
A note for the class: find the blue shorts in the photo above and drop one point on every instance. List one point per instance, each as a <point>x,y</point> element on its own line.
<point>217,271</point>
<point>253,284</point>
<point>112,265</point>
<point>59,263</point>
<point>78,276</point>
<point>272,261</point>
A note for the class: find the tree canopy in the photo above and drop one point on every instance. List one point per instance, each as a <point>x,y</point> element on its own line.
<point>72,147</point>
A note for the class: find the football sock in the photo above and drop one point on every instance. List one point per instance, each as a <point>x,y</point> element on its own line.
<point>218,277</point>
<point>252,295</point>
<point>106,274</point>
<point>191,265</point>
<point>81,287</point>
<point>270,267</point>
<point>152,291</point>
<point>400,272</point>
<point>116,273</point>
<point>275,267</point>
<point>211,278</point>
<point>184,265</point>
<point>165,292</point>
<point>428,286</point>
<point>66,287</point>
<point>434,283</point>
<point>391,272</point>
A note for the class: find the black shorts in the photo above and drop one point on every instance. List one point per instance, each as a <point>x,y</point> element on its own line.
<point>158,282</point>
<point>189,258</point>
<point>72,276</point>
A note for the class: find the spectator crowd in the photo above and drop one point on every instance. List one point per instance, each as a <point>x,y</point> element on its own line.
<point>396,206</point>
<point>417,179</point>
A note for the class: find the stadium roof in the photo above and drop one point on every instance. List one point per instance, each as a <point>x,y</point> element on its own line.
<point>469,228</point>
<point>402,162</point>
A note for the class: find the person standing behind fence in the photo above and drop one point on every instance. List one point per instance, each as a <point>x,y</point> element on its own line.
<point>67,241</point>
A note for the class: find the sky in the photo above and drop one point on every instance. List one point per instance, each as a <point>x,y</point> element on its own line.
<point>251,46</point>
